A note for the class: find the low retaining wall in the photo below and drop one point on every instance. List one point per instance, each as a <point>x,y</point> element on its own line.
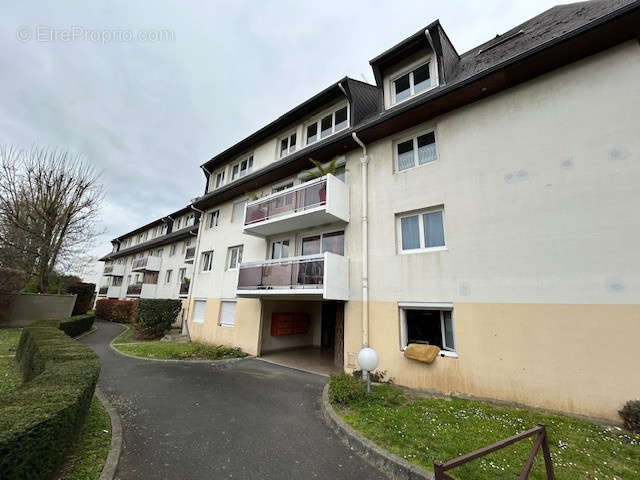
<point>29,308</point>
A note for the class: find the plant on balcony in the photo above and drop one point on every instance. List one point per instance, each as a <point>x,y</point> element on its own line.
<point>320,171</point>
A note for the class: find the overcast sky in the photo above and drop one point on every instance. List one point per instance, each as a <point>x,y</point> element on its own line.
<point>148,113</point>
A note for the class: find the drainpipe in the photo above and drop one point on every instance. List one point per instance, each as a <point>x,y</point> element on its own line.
<point>365,243</point>
<point>185,324</point>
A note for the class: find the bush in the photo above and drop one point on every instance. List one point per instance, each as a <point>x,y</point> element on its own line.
<point>155,316</point>
<point>11,282</point>
<point>344,388</point>
<point>378,376</point>
<point>119,311</point>
<point>630,414</point>
<point>72,326</point>
<point>84,292</point>
<point>40,420</point>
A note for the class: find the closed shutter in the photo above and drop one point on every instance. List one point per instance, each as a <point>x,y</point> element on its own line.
<point>198,311</point>
<point>228,313</point>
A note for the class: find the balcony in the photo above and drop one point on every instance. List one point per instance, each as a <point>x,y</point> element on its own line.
<point>142,290</point>
<point>115,270</point>
<point>189,254</point>
<point>324,276</point>
<point>184,290</point>
<point>318,202</point>
<point>102,291</point>
<point>114,291</point>
<point>146,264</point>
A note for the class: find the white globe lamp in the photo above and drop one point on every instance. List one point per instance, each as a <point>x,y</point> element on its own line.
<point>368,361</point>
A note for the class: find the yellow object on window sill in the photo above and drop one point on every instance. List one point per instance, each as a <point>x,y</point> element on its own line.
<point>421,353</point>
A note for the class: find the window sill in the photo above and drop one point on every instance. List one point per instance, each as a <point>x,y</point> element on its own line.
<point>395,103</point>
<point>423,250</point>
<point>399,172</point>
<point>443,353</point>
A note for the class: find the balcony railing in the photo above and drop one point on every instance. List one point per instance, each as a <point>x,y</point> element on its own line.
<point>189,254</point>
<point>325,276</point>
<point>184,288</point>
<point>103,290</point>
<point>149,264</point>
<point>134,289</point>
<point>114,291</point>
<point>316,202</point>
<point>114,270</point>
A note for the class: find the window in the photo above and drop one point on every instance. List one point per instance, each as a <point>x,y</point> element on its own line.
<point>412,83</point>
<point>228,313</point>
<point>206,261</point>
<point>288,144</point>
<point>178,223</point>
<point>416,151</point>
<point>238,211</point>
<point>325,242</point>
<point>167,277</point>
<point>327,125</point>
<point>159,252</point>
<point>190,220</point>
<point>241,168</point>
<point>219,179</point>
<point>172,250</point>
<point>181,275</point>
<point>282,187</point>
<point>212,219</point>
<point>427,326</point>
<point>199,307</point>
<point>279,249</point>
<point>234,257</point>
<point>186,245</point>
<point>422,231</point>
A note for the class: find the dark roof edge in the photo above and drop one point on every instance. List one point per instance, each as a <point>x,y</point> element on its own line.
<point>155,222</point>
<point>390,51</point>
<point>154,242</point>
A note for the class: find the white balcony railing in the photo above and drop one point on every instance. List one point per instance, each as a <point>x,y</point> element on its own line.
<point>317,202</point>
<point>114,291</point>
<point>114,270</point>
<point>146,264</point>
<point>323,276</point>
<point>142,290</point>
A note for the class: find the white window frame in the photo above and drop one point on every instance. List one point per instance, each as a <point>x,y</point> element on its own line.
<point>208,253</point>
<point>182,274</point>
<point>420,213</point>
<point>246,171</point>
<point>288,138</point>
<point>414,138</point>
<point>433,76</point>
<point>167,277</point>
<point>172,249</point>
<point>239,251</point>
<point>321,233</point>
<point>275,241</point>
<point>318,119</point>
<point>244,212</point>
<point>227,324</point>
<point>210,216</point>
<point>200,301</point>
<point>446,351</point>
<point>219,174</point>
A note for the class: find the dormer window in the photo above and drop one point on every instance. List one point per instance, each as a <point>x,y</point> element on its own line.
<point>219,179</point>
<point>327,125</point>
<point>411,83</point>
<point>241,168</point>
<point>288,145</point>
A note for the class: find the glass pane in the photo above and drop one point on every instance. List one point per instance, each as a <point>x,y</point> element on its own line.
<point>285,249</point>
<point>292,143</point>
<point>325,126</point>
<point>448,330</point>
<point>426,148</point>
<point>283,146</point>
<point>433,229</point>
<point>312,133</point>
<point>341,119</point>
<point>405,155</point>
<point>401,86</point>
<point>421,80</point>
<point>333,242</point>
<point>410,232</point>
<point>311,272</point>
<point>276,251</point>
<point>311,245</point>
<point>235,172</point>
<point>234,258</point>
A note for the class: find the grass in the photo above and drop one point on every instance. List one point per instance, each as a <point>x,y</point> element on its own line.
<point>9,374</point>
<point>90,451</point>
<point>127,336</point>
<point>179,351</point>
<point>423,430</point>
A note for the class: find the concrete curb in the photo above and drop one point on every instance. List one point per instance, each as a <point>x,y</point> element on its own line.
<point>111,464</point>
<point>392,465</point>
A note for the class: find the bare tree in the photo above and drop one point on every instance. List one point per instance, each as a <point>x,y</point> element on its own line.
<point>49,202</point>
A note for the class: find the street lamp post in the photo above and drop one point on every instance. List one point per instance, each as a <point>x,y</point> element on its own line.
<point>368,361</point>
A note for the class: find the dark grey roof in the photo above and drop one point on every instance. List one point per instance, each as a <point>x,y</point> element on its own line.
<point>154,242</point>
<point>157,221</point>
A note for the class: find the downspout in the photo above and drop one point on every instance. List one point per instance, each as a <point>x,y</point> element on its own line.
<point>364,160</point>
<point>185,324</point>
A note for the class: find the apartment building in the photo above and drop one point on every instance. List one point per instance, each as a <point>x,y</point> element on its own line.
<point>482,202</point>
<point>153,261</point>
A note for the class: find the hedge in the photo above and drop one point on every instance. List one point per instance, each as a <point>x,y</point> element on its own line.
<point>155,316</point>
<point>11,282</point>
<point>72,326</point>
<point>40,420</point>
<point>120,311</point>
<point>84,292</point>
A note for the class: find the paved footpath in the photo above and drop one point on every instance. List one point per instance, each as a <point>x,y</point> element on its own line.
<point>252,420</point>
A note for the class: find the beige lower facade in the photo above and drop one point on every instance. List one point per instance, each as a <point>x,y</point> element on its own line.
<point>578,359</point>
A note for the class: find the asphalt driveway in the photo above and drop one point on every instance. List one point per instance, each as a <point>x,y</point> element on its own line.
<point>252,420</point>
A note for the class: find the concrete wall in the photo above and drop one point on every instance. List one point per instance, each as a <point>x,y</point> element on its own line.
<point>28,308</point>
<point>313,309</point>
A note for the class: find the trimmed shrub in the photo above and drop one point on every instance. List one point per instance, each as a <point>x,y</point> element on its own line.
<point>155,316</point>
<point>344,388</point>
<point>40,420</point>
<point>630,414</point>
<point>72,326</point>
<point>119,311</point>
<point>84,292</point>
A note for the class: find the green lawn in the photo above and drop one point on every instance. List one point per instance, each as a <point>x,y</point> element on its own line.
<point>9,340</point>
<point>90,451</point>
<point>179,351</point>
<point>126,336</point>
<point>9,374</point>
<point>423,430</point>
